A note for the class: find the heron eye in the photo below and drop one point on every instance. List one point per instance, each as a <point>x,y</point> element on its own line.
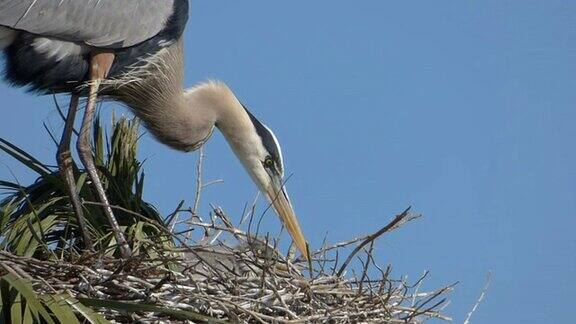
<point>269,162</point>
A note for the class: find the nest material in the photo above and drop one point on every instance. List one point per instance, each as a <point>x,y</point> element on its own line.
<point>251,282</point>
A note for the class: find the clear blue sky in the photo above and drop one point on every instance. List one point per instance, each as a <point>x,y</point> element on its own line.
<point>463,109</point>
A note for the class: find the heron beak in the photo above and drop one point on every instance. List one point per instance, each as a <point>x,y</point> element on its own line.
<point>279,197</point>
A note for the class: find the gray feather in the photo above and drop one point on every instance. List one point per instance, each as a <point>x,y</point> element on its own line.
<point>100,23</point>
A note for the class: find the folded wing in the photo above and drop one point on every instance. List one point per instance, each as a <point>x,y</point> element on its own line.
<point>100,23</point>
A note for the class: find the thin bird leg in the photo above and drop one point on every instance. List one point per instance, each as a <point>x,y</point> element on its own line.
<point>66,166</point>
<point>100,64</point>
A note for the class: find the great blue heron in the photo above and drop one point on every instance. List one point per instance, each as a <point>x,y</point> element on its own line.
<point>131,51</point>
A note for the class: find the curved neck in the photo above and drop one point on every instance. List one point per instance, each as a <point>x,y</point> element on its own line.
<point>213,104</point>
<point>181,119</point>
<point>184,121</point>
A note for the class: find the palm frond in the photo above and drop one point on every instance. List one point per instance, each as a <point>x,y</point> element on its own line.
<point>38,220</point>
<point>19,303</point>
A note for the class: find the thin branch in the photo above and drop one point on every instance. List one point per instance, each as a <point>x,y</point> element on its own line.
<point>397,220</point>
<point>199,185</point>
<point>59,109</point>
<point>484,291</point>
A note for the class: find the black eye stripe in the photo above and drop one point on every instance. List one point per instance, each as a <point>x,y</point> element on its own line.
<point>267,140</point>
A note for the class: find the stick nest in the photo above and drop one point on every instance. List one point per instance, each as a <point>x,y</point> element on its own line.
<point>249,281</point>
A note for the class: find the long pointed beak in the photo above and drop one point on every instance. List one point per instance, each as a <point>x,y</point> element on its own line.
<point>279,198</point>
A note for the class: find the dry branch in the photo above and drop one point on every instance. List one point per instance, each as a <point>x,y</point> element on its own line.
<point>251,282</point>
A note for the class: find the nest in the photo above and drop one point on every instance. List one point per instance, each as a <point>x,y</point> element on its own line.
<point>246,282</point>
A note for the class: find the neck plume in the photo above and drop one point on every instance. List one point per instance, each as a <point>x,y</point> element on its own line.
<point>181,119</point>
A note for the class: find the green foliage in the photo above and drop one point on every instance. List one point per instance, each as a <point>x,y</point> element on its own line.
<point>19,303</point>
<point>38,220</point>
<point>129,307</point>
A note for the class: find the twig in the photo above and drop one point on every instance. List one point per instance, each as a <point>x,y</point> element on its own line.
<point>484,291</point>
<point>59,110</point>
<point>199,185</point>
<point>365,271</point>
<point>172,219</point>
<point>397,220</point>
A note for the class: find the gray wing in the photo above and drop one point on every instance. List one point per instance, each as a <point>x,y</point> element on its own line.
<point>100,23</point>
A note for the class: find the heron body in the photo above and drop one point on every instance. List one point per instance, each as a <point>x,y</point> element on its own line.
<point>50,62</point>
<point>131,51</point>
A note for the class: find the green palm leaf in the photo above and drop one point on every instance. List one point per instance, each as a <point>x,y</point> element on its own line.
<point>37,219</point>
<point>26,302</point>
<point>129,307</point>
<point>19,303</point>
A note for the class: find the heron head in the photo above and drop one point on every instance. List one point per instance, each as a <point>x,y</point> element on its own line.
<point>261,155</point>
<point>254,144</point>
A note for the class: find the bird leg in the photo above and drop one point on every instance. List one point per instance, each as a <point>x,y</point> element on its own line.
<point>100,63</point>
<point>65,164</point>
